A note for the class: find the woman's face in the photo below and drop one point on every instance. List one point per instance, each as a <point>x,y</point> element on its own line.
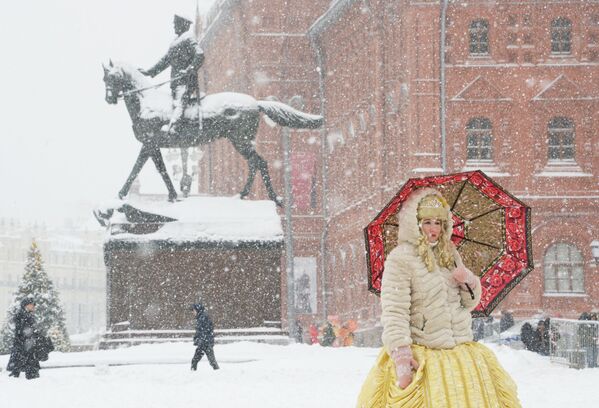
<point>431,228</point>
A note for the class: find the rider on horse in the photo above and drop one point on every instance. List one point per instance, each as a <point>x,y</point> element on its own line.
<point>185,57</point>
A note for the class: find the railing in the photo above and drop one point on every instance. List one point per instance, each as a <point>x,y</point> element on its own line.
<point>485,329</point>
<point>573,342</point>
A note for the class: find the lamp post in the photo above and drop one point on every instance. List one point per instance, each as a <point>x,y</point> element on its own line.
<point>297,102</point>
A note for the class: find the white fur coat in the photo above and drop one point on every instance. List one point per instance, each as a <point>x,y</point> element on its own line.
<point>422,307</point>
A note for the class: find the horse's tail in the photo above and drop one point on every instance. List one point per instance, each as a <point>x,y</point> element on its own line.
<point>285,115</point>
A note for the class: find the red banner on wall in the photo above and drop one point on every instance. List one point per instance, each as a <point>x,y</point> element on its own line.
<point>303,171</point>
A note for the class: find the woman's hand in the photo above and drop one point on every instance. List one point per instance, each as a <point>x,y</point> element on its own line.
<point>404,363</point>
<point>464,276</point>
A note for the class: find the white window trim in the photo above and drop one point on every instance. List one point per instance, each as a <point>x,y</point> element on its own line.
<point>566,294</point>
<point>487,165</point>
<point>562,168</point>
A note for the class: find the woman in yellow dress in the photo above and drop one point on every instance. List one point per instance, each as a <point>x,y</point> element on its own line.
<point>428,358</point>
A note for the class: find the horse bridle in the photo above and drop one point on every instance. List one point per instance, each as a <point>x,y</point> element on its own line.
<point>121,94</point>
<point>138,90</point>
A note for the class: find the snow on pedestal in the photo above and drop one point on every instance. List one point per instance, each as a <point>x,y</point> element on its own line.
<point>205,219</point>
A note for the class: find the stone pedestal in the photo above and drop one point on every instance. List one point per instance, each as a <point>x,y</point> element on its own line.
<point>222,252</point>
<point>152,284</point>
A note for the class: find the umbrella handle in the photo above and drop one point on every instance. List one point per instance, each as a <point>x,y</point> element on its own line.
<point>470,290</point>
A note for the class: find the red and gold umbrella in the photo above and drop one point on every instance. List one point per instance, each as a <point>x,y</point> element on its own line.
<point>491,231</point>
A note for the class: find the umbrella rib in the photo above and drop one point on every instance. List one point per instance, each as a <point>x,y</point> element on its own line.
<point>458,196</point>
<point>478,216</point>
<point>475,241</point>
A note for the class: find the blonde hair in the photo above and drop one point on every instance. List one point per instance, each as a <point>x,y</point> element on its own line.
<point>442,252</point>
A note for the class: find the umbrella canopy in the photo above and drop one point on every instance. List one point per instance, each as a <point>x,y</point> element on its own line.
<point>491,231</point>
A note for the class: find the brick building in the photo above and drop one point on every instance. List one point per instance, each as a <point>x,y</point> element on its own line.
<point>513,91</point>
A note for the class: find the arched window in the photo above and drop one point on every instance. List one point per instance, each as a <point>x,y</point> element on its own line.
<point>480,139</point>
<point>561,36</point>
<point>563,269</point>
<point>560,139</point>
<point>479,37</point>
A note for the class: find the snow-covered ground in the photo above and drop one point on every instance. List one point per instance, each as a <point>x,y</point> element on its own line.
<point>255,375</point>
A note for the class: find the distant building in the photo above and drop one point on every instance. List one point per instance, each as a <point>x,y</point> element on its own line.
<point>73,260</point>
<point>513,91</point>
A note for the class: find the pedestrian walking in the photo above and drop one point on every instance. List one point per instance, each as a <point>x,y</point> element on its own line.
<point>204,337</point>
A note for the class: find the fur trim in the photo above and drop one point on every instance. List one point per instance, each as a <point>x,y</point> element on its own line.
<point>409,231</point>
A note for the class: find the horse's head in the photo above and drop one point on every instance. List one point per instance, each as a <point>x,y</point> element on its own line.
<point>115,82</point>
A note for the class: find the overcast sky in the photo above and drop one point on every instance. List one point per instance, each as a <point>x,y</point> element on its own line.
<point>63,147</point>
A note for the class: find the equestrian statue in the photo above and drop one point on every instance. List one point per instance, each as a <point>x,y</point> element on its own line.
<point>181,121</point>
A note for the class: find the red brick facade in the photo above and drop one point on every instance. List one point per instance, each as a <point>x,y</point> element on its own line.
<point>374,69</point>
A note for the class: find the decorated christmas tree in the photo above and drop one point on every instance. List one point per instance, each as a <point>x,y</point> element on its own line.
<point>48,312</point>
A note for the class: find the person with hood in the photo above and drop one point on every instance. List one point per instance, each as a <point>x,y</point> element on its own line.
<point>429,358</point>
<point>23,355</point>
<point>203,338</point>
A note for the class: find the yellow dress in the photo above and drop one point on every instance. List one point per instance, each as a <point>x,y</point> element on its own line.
<point>466,376</point>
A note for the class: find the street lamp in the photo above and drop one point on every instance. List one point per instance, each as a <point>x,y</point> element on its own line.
<point>595,251</point>
<point>296,102</point>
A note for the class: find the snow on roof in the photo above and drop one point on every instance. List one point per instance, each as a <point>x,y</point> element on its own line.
<point>207,219</point>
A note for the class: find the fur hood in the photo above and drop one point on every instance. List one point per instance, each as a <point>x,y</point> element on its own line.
<point>406,217</point>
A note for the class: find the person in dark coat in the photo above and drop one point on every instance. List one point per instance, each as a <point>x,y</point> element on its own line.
<point>328,335</point>
<point>23,355</point>
<point>527,337</point>
<point>506,321</point>
<point>541,339</point>
<point>204,338</point>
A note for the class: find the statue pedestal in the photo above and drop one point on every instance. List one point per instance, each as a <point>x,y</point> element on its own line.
<point>162,257</point>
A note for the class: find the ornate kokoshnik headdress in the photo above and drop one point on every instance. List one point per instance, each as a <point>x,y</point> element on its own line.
<point>432,206</point>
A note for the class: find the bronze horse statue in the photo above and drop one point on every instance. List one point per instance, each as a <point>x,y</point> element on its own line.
<point>229,115</point>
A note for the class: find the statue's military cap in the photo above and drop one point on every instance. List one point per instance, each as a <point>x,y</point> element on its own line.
<point>183,17</point>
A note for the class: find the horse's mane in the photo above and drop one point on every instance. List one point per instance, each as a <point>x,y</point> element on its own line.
<point>153,101</point>
<point>130,72</point>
